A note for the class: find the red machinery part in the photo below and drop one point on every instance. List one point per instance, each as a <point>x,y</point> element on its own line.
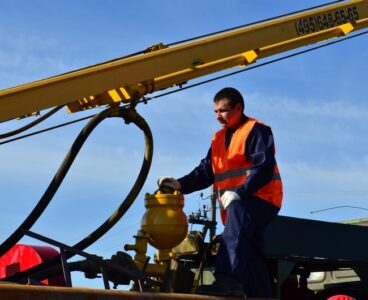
<point>22,257</point>
<point>341,297</point>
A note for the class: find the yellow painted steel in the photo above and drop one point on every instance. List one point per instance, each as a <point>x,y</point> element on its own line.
<point>164,221</point>
<point>140,247</point>
<point>23,292</point>
<point>164,225</point>
<point>123,79</point>
<point>141,259</point>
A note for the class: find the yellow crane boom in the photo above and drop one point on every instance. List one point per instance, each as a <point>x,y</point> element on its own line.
<point>162,67</point>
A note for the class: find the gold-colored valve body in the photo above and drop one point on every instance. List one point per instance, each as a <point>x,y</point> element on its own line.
<point>164,221</point>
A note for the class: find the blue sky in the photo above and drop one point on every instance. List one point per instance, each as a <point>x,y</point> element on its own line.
<point>316,105</point>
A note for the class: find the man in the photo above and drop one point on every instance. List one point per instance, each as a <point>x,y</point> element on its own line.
<point>242,167</point>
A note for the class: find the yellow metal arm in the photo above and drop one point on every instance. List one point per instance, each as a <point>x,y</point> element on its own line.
<point>117,81</point>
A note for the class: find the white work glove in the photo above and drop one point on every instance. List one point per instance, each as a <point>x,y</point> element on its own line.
<point>168,182</point>
<point>227,198</point>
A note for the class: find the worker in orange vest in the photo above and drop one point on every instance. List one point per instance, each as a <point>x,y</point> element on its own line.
<point>242,167</point>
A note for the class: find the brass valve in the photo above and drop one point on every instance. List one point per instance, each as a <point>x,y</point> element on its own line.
<point>164,221</point>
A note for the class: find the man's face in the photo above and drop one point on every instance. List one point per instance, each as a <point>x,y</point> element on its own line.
<point>228,116</point>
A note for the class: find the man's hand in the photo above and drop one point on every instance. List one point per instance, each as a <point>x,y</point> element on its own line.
<point>168,183</point>
<point>227,198</point>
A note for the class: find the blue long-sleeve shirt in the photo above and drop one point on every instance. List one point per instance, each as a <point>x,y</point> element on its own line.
<point>259,149</point>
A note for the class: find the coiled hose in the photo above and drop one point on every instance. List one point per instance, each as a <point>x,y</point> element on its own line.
<point>129,115</point>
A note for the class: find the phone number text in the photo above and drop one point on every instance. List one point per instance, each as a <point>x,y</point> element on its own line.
<point>326,21</point>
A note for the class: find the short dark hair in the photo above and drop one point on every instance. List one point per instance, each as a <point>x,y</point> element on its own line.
<point>233,95</point>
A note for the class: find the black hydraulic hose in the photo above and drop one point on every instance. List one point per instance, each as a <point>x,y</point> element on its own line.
<point>54,185</point>
<point>129,115</point>
<point>32,124</point>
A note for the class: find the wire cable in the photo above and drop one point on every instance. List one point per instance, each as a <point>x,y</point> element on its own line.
<point>211,34</point>
<point>335,207</point>
<point>181,88</point>
<point>146,99</point>
<point>46,129</point>
<point>254,23</point>
<point>31,124</point>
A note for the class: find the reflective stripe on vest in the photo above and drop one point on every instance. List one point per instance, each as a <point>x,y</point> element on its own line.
<point>219,193</point>
<point>231,167</point>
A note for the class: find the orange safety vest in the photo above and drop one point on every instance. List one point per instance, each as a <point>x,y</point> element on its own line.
<point>231,167</point>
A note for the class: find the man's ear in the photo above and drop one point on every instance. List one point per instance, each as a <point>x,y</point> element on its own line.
<point>238,107</point>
